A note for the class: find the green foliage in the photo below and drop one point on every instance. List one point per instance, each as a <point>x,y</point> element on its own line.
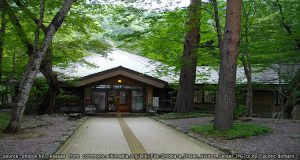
<point>209,88</point>
<point>269,41</point>
<point>14,56</point>
<point>4,120</point>
<point>40,87</point>
<point>182,115</point>
<point>6,89</point>
<point>160,35</point>
<point>73,41</point>
<point>239,130</point>
<point>66,97</point>
<point>74,48</point>
<point>160,39</point>
<point>36,96</point>
<point>239,112</point>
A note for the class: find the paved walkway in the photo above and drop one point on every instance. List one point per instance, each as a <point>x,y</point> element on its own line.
<point>105,138</point>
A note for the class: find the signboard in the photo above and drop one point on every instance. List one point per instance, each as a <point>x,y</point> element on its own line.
<point>155,102</point>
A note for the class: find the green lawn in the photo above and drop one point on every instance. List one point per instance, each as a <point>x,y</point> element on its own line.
<point>182,115</point>
<point>239,130</point>
<point>4,119</point>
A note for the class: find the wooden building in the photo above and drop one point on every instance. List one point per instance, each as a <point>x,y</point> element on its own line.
<point>121,89</point>
<point>126,82</point>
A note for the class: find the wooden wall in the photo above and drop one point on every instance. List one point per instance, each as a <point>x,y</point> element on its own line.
<point>263,102</point>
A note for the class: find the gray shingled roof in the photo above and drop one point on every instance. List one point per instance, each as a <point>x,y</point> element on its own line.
<point>116,58</point>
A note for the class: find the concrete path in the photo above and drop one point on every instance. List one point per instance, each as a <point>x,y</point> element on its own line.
<point>132,138</point>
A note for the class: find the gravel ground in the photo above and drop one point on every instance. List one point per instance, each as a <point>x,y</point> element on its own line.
<point>285,138</point>
<point>40,135</point>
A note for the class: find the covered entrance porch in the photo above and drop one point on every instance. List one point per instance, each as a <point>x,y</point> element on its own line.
<point>120,90</point>
<point>118,98</point>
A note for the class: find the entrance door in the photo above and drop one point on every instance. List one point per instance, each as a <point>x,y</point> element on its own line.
<point>123,101</point>
<point>119,101</point>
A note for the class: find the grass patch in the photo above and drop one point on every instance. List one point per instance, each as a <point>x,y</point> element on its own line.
<point>4,120</point>
<point>239,130</point>
<point>182,115</point>
<point>22,134</point>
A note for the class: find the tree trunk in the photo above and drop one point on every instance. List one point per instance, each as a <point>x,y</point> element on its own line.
<point>217,23</point>
<point>185,95</point>
<point>33,67</point>
<point>246,60</point>
<point>249,99</point>
<point>2,32</point>
<point>247,69</point>
<point>293,86</point>
<point>291,95</point>
<point>48,104</point>
<point>225,101</point>
<point>294,82</point>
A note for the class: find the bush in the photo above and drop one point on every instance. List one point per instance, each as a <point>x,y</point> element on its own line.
<point>239,112</point>
<point>67,97</point>
<point>239,130</point>
<point>4,120</point>
<point>182,115</point>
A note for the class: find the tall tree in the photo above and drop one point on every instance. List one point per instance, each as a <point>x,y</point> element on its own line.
<point>47,106</point>
<point>248,11</point>
<point>292,94</point>
<point>185,93</point>
<point>225,101</point>
<point>48,103</point>
<point>2,32</point>
<point>217,23</point>
<point>34,64</point>
<point>71,43</point>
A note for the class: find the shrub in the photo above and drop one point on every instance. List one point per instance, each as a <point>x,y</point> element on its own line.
<point>239,130</point>
<point>239,112</point>
<point>182,115</point>
<point>4,120</point>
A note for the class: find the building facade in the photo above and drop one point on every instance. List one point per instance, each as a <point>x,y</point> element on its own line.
<point>124,82</point>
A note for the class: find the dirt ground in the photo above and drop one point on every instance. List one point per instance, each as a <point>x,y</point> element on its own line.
<point>39,135</point>
<point>285,138</point>
<point>43,135</point>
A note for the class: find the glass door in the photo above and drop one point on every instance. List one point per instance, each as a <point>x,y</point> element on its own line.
<point>112,101</point>
<point>123,101</point>
<point>99,100</point>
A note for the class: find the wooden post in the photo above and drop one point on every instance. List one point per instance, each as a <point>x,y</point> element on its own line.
<point>149,97</point>
<point>87,95</point>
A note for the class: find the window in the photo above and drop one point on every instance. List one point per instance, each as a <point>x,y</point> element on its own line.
<point>137,100</point>
<point>209,96</point>
<point>198,96</point>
